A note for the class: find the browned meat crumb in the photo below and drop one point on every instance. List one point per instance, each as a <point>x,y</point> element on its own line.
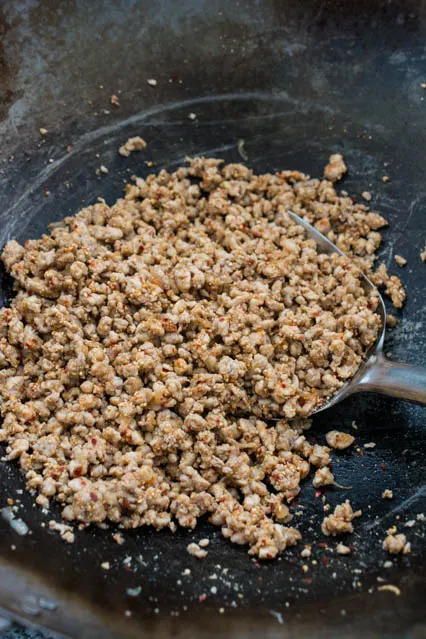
<point>196,551</point>
<point>115,100</point>
<point>118,538</point>
<point>387,494</point>
<point>386,178</point>
<point>341,549</point>
<point>339,440</point>
<point>64,530</point>
<point>336,168</point>
<point>133,144</point>
<point>395,290</point>
<point>392,284</point>
<point>401,261</point>
<point>396,543</point>
<point>323,477</point>
<point>423,254</point>
<point>369,445</point>
<point>390,320</point>
<point>203,543</point>
<point>341,520</point>
<point>306,552</point>
<point>366,195</point>
<point>142,331</point>
<point>319,456</point>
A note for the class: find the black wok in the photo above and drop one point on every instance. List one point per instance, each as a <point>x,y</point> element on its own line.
<point>295,81</point>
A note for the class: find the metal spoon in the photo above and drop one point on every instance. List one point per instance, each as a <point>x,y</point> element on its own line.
<point>377,373</point>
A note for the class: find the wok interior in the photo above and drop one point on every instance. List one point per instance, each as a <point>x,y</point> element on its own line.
<point>296,83</point>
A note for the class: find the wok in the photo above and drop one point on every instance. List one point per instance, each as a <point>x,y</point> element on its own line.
<point>295,81</point>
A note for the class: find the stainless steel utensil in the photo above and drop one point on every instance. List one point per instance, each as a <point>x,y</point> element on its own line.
<point>377,373</point>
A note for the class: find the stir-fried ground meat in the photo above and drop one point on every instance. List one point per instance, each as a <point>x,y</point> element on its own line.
<point>149,340</point>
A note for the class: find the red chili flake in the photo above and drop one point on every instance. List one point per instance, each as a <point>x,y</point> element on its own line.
<point>94,441</point>
<point>352,547</point>
<point>325,560</point>
<point>202,598</point>
<point>307,580</point>
<point>93,497</point>
<point>317,494</point>
<point>256,563</point>
<point>383,466</point>
<point>360,452</point>
<point>322,544</point>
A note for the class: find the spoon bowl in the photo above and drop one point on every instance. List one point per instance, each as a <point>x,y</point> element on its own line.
<point>377,373</point>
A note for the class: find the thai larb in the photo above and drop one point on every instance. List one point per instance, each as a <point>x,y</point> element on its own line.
<point>150,340</point>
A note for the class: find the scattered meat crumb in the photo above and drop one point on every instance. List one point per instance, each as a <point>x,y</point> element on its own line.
<point>387,494</point>
<point>420,517</point>
<point>370,445</point>
<point>306,552</point>
<point>65,531</point>
<point>115,100</point>
<point>386,178</point>
<point>396,543</point>
<point>118,538</point>
<point>423,254</point>
<point>195,550</point>
<point>391,320</point>
<point>343,550</point>
<point>152,82</point>
<point>366,195</point>
<point>103,169</point>
<point>401,261</point>
<point>105,565</point>
<point>43,131</point>
<point>340,521</point>
<point>339,440</point>
<point>323,477</point>
<point>204,542</point>
<point>336,168</point>
<point>133,144</point>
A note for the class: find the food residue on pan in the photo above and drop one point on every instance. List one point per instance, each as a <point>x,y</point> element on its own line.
<point>133,144</point>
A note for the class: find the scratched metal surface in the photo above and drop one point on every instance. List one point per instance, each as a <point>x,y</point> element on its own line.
<point>296,84</point>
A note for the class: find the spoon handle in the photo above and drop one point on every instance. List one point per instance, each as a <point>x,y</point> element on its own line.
<point>395,379</point>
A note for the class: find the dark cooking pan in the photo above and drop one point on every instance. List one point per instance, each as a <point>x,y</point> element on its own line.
<point>295,81</point>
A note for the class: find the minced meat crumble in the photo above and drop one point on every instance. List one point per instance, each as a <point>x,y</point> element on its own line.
<point>149,340</point>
